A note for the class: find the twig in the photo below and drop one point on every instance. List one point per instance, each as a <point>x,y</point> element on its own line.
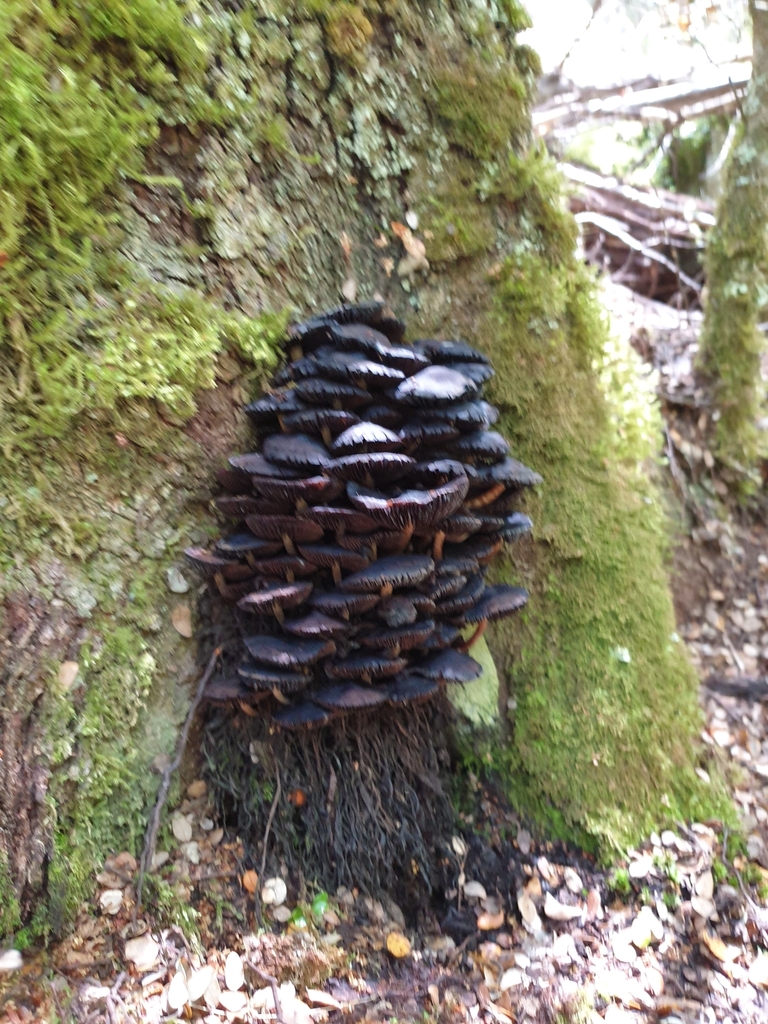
<point>272,982</point>
<point>113,994</point>
<point>758,914</point>
<point>270,819</point>
<point>165,784</point>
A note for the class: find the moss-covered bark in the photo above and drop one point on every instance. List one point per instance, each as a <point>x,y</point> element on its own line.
<point>737,275</point>
<point>302,129</point>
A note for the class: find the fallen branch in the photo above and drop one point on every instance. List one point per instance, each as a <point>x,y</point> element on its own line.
<point>272,982</point>
<point>150,840</point>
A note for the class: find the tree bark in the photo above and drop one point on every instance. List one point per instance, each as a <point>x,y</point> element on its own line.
<point>737,264</point>
<point>272,186</point>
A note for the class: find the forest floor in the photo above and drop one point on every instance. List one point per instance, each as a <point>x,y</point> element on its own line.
<point>530,930</point>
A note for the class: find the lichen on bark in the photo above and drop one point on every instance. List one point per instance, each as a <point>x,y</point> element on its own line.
<point>266,172</point>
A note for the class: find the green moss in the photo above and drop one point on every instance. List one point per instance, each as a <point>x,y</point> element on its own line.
<point>737,293</point>
<point>10,916</point>
<point>349,32</point>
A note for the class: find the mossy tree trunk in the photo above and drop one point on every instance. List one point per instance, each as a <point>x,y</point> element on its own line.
<point>737,275</point>
<point>266,149</point>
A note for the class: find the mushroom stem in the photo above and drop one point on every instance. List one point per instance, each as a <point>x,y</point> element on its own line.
<point>336,570</point>
<point>481,628</point>
<point>369,481</point>
<point>277,611</point>
<point>290,576</point>
<point>288,544</point>
<point>296,353</point>
<point>281,421</point>
<point>437,546</point>
<point>327,436</point>
<point>386,590</point>
<point>337,404</point>
<point>279,696</point>
<point>219,580</point>
<point>486,497</point>
<point>301,505</point>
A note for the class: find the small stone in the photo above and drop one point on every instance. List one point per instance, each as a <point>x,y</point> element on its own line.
<point>646,928</point>
<point>594,905</point>
<point>181,617</point>
<point>758,971</point>
<point>198,983</point>
<point>181,828</point>
<point>557,911</point>
<point>522,960</point>
<point>10,960</point>
<point>528,912</point>
<point>668,838</point>
<point>178,995</point>
<point>705,885</point>
<point>191,851</point>
<point>216,836</point>
<point>623,950</point>
<point>177,584</point>
<point>233,1002</point>
<point>110,901</point>
<point>282,914</point>
<point>641,867</point>
<point>274,892</point>
<point>490,922</point>
<point>703,907</point>
<point>412,220</point>
<point>234,977</point>
<point>142,951</point>
<point>206,824</point>
<point>524,841</point>
<point>196,789</point>
<point>159,859</point>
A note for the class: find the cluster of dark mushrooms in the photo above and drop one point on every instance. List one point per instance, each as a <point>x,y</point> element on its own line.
<point>365,523</point>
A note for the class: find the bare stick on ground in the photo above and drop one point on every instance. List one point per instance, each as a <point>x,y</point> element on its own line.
<point>165,784</point>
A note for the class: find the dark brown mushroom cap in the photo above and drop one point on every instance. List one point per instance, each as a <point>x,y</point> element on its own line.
<point>421,602</point>
<point>457,563</point>
<point>319,391</point>
<point>285,652</point>
<point>427,434</point>
<point>466,598</point>
<point>327,555</point>
<point>316,624</point>
<point>491,524</point>
<point>468,415</point>
<point>397,611</point>
<point>437,472</point>
<point>256,464</point>
<point>509,472</point>
<point>451,352</point>
<point>411,689</point>
<point>234,480</point>
<point>265,410</point>
<point>450,666</point>
<point>211,564</point>
<point>446,586</point>
<point>316,419</point>
<point>352,368</point>
<point>478,373</point>
<point>280,595</point>
<point>402,637</point>
<point>259,677</point>
<point>284,566</point>
<point>481,547</point>
<point>308,489</point>
<point>349,697</point>
<point>303,716</point>
<point>240,505</point>
<point>385,415</point>
<point>246,544</point>
<point>365,666</point>
<point>359,336</point>
<point>344,519</point>
<point>497,602</point>
<point>336,602</point>
<point>516,525</point>
<point>396,571</point>
<point>416,508</point>
<point>366,437</point>
<point>296,369</point>
<point>433,387</point>
<point>274,527</point>
<point>297,451</point>
<point>393,329</point>
<point>483,444</point>
<point>380,466</point>
<point>228,689</point>
<point>460,524</point>
<point>403,357</point>
<point>443,635</point>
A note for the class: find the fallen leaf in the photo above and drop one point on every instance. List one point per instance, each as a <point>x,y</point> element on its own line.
<point>381,242</point>
<point>557,911</point>
<point>547,871</point>
<point>705,885</point>
<point>68,673</point>
<point>594,905</point>
<point>178,995</point>
<point>572,881</point>
<point>490,922</point>
<point>197,789</point>
<point>646,928</point>
<point>511,978</point>
<point>346,244</point>
<point>388,265</point>
<point>274,892</point>
<point>181,828</point>
<point>434,994</point>
<point>726,954</point>
<point>704,908</point>
<point>212,994</point>
<point>474,891</point>
<point>524,841</point>
<point>181,617</point>
<point>110,901</point>
<point>533,887</point>
<point>528,912</point>
<point>198,983</point>
<point>142,951</point>
<point>233,1002</point>
<point>250,881</point>
<point>641,867</point>
<point>234,977</point>
<point>398,945</point>
<point>320,998</point>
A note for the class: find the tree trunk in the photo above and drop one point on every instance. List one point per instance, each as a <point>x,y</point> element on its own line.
<point>737,265</point>
<point>279,142</point>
